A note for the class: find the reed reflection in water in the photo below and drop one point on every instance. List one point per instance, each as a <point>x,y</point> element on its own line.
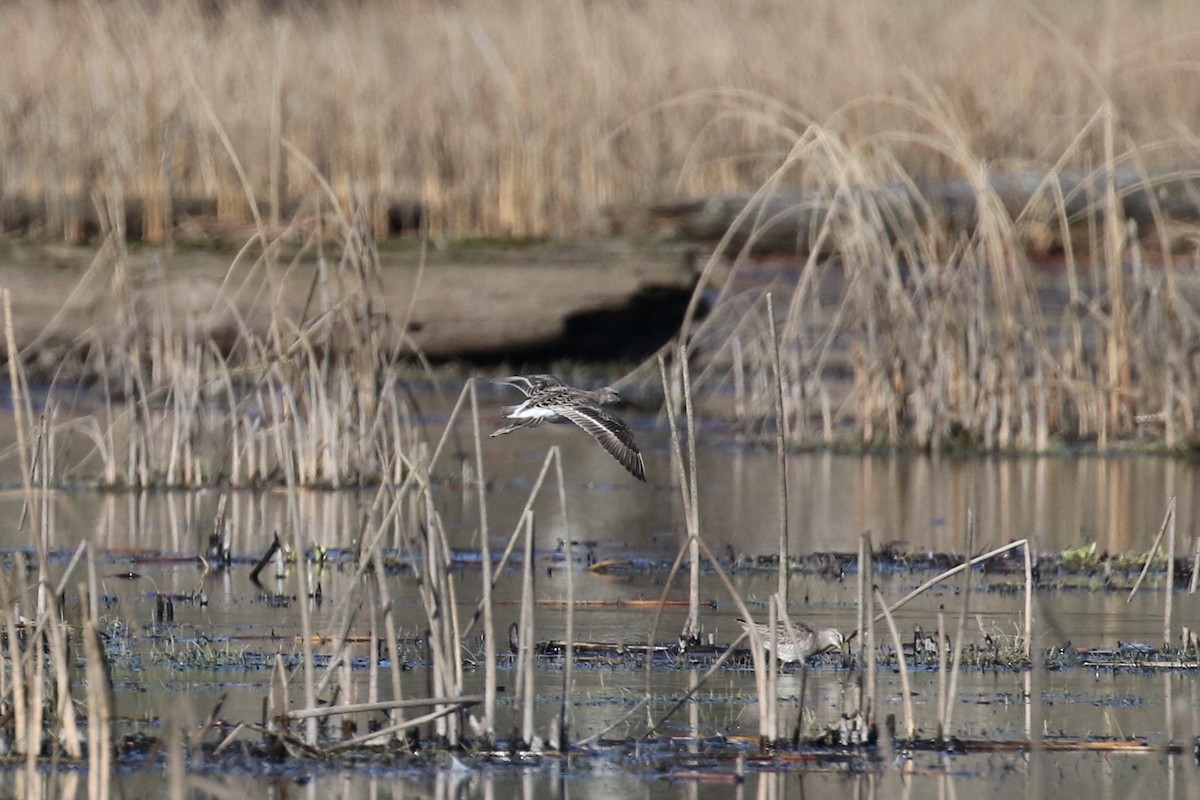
<point>1059,502</point>
<point>920,501</point>
<point>925,777</point>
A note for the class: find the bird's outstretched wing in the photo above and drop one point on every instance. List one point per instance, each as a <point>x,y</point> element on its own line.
<point>611,433</point>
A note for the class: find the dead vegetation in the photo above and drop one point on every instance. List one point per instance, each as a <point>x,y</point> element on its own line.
<point>539,120</point>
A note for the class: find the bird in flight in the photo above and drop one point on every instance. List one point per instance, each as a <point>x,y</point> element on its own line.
<point>549,400</point>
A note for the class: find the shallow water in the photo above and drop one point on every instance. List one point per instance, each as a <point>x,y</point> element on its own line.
<point>226,631</point>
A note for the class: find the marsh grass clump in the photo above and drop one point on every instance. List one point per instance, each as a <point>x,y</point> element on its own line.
<point>905,329</point>
<point>312,402</point>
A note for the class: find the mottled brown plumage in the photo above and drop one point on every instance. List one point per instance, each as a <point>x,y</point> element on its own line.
<point>806,642</point>
<point>550,400</point>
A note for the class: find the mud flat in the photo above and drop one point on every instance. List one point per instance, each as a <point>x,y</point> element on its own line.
<point>607,300</point>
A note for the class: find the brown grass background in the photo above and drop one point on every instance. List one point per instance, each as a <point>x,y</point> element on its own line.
<point>539,118</point>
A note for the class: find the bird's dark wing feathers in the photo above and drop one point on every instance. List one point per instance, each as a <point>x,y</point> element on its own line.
<point>612,434</point>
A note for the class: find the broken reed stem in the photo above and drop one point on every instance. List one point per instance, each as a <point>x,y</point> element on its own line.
<point>780,451</point>
<point>687,696</point>
<point>437,714</point>
<point>1162,531</point>
<point>564,718</point>
<point>905,690</point>
<point>485,596</point>
<point>960,631</point>
<point>388,705</point>
<point>924,587</point>
<point>638,706</point>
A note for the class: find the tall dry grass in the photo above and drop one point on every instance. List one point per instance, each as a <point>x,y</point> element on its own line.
<point>906,328</point>
<point>534,119</point>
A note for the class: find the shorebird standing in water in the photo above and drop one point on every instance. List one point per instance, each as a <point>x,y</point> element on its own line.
<point>549,400</point>
<point>806,642</point>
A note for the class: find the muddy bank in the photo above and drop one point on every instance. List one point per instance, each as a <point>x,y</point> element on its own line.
<point>595,301</point>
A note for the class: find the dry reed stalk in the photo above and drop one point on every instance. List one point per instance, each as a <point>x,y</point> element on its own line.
<point>440,713</point>
<point>691,521</point>
<point>773,671</point>
<point>59,661</point>
<point>960,631</point>
<point>690,497</point>
<point>1166,523</point>
<point>869,704</point>
<point>346,692</point>
<point>860,595</point>
<point>99,701</point>
<point>942,700</point>
<point>19,403</point>
<point>936,579</point>
<point>1118,369</point>
<point>729,651</point>
<point>526,656</point>
<point>434,585</point>
<point>564,715</point>
<point>905,689</point>
<point>18,661</point>
<point>1195,566</point>
<point>307,664</point>
<point>387,705</point>
<point>36,697</point>
<point>1169,592</point>
<point>1028,624</point>
<point>373,642</point>
<point>176,775</point>
<point>756,643</point>
<point>518,529</point>
<point>780,450</point>
<point>485,598</point>
<point>389,629</point>
<point>339,647</point>
<point>277,721</point>
<point>634,709</point>
<point>691,631</point>
<point>660,606</point>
